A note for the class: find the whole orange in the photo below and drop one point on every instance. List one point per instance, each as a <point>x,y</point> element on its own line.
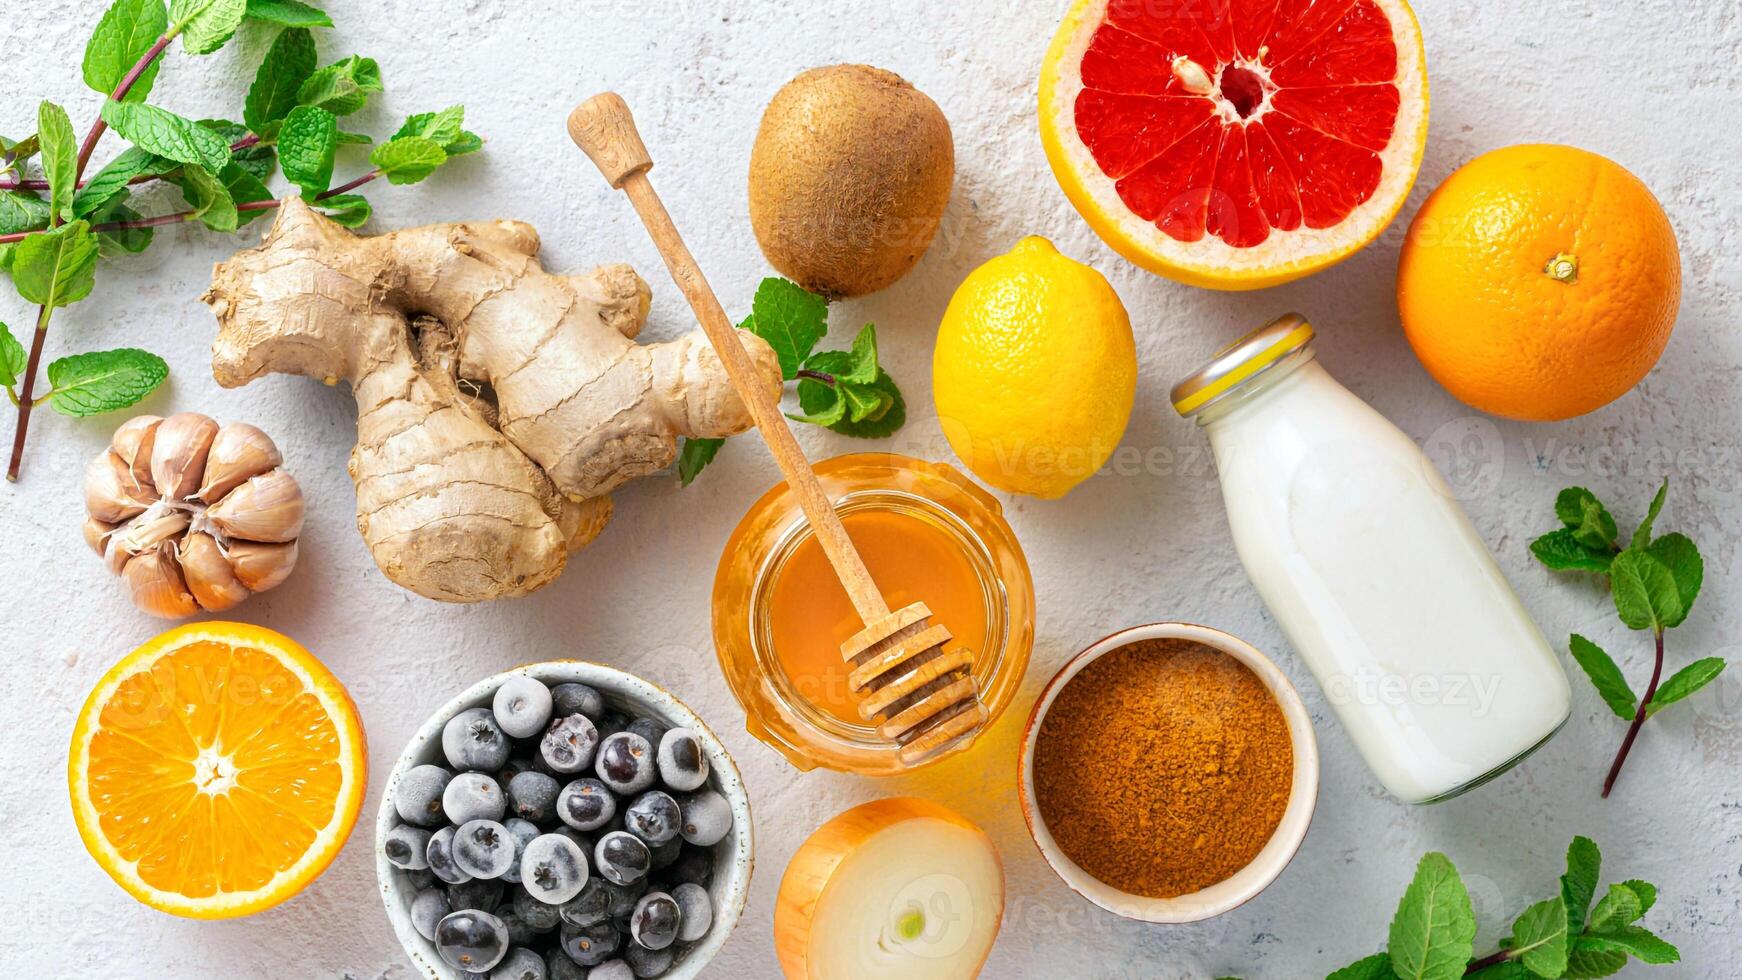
<point>1539,282</point>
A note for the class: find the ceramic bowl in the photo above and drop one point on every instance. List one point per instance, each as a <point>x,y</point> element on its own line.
<point>631,695</point>
<point>1248,881</point>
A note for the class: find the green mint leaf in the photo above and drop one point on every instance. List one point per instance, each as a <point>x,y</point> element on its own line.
<point>1638,942</point>
<point>822,404</point>
<point>12,359</point>
<point>1562,551</point>
<point>1539,938</point>
<point>1683,683</point>
<point>1678,553</point>
<point>103,381</point>
<point>1503,970</point>
<point>22,211</point>
<point>290,13</point>
<point>790,319</point>
<point>1646,891</point>
<point>1580,510</point>
<point>1375,967</point>
<point>1642,534</point>
<point>408,159</point>
<point>1587,961</point>
<point>695,455</point>
<point>167,134</point>
<point>288,64</point>
<point>1622,906</point>
<point>209,198</point>
<point>306,147</point>
<point>356,139</point>
<point>343,87</point>
<point>121,240</point>
<point>113,179</point>
<point>1645,591</point>
<point>866,403</point>
<point>16,151</point>
<point>443,126</point>
<point>244,188</point>
<point>206,24</point>
<point>260,159</point>
<point>879,424</point>
<point>1610,685</point>
<point>60,152</point>
<point>1433,933</point>
<point>1579,884</point>
<point>467,142</point>
<point>56,267</point>
<point>124,35</point>
<point>862,369</point>
<point>349,210</point>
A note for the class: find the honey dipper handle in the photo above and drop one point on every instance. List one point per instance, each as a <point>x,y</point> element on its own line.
<point>603,127</point>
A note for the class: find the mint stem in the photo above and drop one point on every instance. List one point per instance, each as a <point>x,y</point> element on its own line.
<point>1477,966</point>
<point>827,379</point>
<point>42,185</point>
<point>1638,719</point>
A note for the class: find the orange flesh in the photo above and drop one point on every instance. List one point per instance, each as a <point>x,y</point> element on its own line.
<point>214,770</point>
<point>911,560</point>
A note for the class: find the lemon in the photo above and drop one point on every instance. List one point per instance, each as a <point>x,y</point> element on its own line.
<point>1035,371</point>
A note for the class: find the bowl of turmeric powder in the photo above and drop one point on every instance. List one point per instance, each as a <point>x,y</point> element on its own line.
<point>1169,773</point>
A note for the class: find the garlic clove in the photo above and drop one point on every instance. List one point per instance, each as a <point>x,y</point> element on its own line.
<point>267,508</point>
<point>110,495</point>
<point>239,451</point>
<point>133,442</point>
<point>208,573</point>
<point>157,585</point>
<point>97,534</point>
<point>148,530</point>
<point>178,454</point>
<point>261,566</point>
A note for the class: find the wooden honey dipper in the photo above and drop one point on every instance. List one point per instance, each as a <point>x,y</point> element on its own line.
<point>919,695</point>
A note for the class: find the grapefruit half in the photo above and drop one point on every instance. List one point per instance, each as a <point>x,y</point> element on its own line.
<point>1236,144</point>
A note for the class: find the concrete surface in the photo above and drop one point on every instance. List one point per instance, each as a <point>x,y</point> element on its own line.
<point>1653,84</point>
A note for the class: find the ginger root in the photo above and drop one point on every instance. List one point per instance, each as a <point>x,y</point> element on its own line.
<point>497,403</point>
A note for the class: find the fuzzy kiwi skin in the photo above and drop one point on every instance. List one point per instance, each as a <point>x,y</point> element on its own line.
<point>849,178</point>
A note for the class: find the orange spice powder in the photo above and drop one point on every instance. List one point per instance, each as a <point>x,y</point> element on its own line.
<point>1163,767</point>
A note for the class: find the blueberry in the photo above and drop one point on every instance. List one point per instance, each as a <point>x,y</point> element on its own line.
<point>473,741</point>
<point>531,795</point>
<point>427,909</point>
<point>520,964</point>
<point>519,932</point>
<point>539,915</point>
<point>514,767</point>
<point>586,804</point>
<point>407,847</point>
<point>622,857</point>
<point>647,963</point>
<point>611,722</point>
<point>683,765</point>
<point>480,896</point>
<point>553,869</point>
<point>706,817</point>
<point>484,849</point>
<point>612,970</point>
<point>423,878</point>
<point>559,967</point>
<point>656,919</point>
<point>695,910</point>
<point>695,866</point>
<point>577,699</point>
<point>626,763</point>
<point>440,855</point>
<point>522,707</point>
<point>418,797</point>
<point>591,907</point>
<point>590,945</point>
<point>471,941</point>
<point>522,833</point>
<point>568,744</point>
<point>651,729</point>
<point>473,796</point>
<point>666,854</point>
<point>654,817</point>
<point>624,897</point>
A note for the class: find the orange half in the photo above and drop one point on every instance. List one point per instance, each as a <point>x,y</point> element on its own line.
<point>217,770</point>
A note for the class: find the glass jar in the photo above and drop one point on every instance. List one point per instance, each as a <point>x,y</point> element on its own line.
<point>772,580</point>
<point>1373,571</point>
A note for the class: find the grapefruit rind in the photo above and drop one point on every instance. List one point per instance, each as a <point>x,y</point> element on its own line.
<point>1210,262</point>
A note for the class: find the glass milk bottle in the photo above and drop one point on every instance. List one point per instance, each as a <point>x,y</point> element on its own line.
<point>1373,571</point>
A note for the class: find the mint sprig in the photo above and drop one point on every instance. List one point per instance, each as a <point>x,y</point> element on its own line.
<point>1653,581</point>
<point>844,391</point>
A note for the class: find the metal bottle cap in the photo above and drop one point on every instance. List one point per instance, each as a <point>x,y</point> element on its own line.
<point>1240,361</point>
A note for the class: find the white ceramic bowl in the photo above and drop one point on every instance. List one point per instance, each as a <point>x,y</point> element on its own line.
<point>730,887</point>
<point>1248,881</point>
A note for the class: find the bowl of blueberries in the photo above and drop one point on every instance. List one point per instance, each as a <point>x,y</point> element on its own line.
<point>564,821</point>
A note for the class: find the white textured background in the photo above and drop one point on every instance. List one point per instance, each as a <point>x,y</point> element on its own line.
<point>1654,84</point>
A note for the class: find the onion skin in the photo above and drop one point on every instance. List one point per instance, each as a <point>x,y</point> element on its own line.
<point>814,864</point>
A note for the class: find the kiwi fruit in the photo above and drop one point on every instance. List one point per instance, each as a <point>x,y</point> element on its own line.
<point>849,177</point>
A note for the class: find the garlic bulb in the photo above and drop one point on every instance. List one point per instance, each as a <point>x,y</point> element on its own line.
<point>191,514</point>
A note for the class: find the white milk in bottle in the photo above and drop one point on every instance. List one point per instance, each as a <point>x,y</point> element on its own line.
<point>1372,569</point>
